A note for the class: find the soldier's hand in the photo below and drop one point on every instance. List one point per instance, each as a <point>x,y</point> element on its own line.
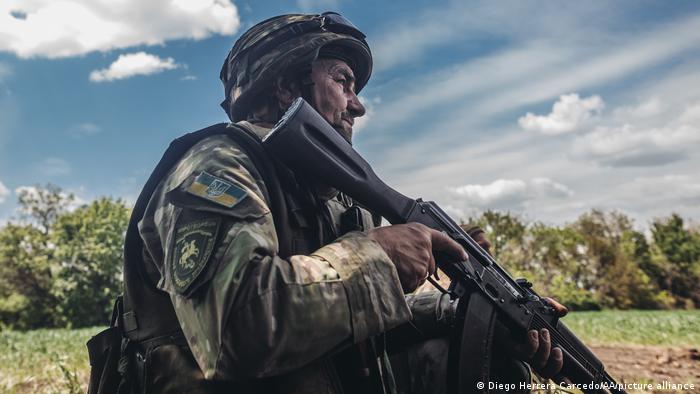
<point>410,248</point>
<point>479,236</point>
<point>537,350</point>
<point>483,242</point>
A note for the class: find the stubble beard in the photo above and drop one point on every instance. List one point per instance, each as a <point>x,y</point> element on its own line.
<point>347,135</point>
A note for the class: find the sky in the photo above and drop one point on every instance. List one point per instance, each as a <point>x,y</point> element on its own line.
<point>543,109</point>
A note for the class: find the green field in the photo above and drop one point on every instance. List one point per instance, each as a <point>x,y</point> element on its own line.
<point>656,328</point>
<point>55,361</point>
<point>44,361</point>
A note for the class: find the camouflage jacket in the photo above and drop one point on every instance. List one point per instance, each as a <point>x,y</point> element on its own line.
<point>246,313</point>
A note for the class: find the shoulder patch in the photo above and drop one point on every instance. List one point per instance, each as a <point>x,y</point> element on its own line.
<point>194,243</point>
<point>217,190</point>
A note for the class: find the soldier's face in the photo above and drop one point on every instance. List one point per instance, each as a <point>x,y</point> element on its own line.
<point>334,96</point>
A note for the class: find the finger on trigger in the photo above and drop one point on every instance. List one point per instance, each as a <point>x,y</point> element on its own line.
<point>543,350</point>
<point>554,364</point>
<point>444,243</point>
<point>528,349</point>
<point>533,342</point>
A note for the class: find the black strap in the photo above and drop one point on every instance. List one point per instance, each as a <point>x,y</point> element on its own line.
<point>99,344</point>
<point>268,166</point>
<point>175,151</point>
<point>154,315</point>
<point>104,352</point>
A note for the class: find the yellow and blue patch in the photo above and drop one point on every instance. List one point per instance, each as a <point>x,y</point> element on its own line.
<point>216,190</point>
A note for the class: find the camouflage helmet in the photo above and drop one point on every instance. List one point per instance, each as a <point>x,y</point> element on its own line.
<point>283,43</point>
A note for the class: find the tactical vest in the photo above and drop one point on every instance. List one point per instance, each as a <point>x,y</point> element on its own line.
<point>148,311</point>
<point>146,316</point>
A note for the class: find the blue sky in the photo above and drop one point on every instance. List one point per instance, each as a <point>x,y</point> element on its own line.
<point>545,109</point>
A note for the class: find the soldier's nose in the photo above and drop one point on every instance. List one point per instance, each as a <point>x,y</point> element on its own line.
<point>355,107</point>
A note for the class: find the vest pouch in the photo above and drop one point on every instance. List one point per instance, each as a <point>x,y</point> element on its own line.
<point>352,220</point>
<point>104,350</point>
<point>166,365</point>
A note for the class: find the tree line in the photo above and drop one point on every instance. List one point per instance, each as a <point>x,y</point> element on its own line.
<point>600,260</point>
<point>61,265</point>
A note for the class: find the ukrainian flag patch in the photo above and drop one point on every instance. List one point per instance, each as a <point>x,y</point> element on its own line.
<point>216,190</point>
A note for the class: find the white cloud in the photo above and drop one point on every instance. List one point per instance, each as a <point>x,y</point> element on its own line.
<point>508,193</point>
<point>54,166</point>
<point>62,28</point>
<point>454,212</point>
<point>490,85</point>
<point>633,146</point>
<point>568,114</point>
<point>646,109</point>
<point>589,69</point>
<point>691,114</point>
<point>84,130</point>
<point>133,64</point>
<point>460,119</point>
<point>458,84</point>
<point>661,195</point>
<point>545,187</point>
<point>495,193</point>
<point>4,192</point>
<point>683,189</point>
<point>649,134</point>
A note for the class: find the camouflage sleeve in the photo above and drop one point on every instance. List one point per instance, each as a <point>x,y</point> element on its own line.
<point>245,311</point>
<point>419,350</point>
<point>433,316</point>
<point>433,312</point>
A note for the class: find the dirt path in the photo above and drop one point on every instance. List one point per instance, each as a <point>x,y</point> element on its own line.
<point>651,364</point>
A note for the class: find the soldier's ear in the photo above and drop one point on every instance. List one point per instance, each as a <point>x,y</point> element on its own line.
<point>286,92</point>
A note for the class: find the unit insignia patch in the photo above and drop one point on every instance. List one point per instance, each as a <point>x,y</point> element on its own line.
<point>194,243</point>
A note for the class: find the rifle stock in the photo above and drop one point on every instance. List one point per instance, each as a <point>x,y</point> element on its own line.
<point>305,142</point>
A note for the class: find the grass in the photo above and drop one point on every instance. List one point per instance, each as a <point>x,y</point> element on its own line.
<point>55,360</point>
<point>656,328</point>
<point>44,361</point>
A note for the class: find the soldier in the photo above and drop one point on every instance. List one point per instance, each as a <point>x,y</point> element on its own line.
<point>242,276</point>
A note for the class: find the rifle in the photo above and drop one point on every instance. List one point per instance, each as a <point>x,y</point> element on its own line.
<point>305,142</point>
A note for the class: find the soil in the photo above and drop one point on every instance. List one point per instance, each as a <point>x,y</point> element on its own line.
<point>652,364</point>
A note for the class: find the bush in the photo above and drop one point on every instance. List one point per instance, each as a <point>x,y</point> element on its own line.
<point>61,266</point>
<point>89,250</point>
